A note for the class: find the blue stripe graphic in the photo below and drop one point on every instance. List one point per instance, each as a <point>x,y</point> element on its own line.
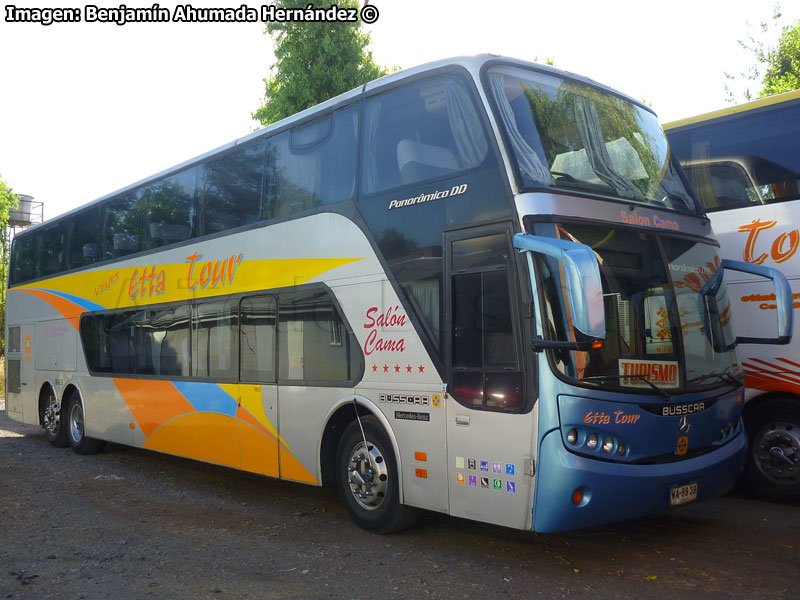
<point>87,304</point>
<point>207,397</point>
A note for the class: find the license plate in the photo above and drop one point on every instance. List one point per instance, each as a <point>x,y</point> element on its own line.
<point>683,494</point>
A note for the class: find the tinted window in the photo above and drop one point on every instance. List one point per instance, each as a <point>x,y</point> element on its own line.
<point>313,343</point>
<point>742,159</point>
<point>122,224</point>
<point>82,235</point>
<point>312,165</point>
<point>162,342</point>
<point>258,339</point>
<point>216,339</point>
<point>23,255</point>
<point>13,339</point>
<point>427,130</point>
<point>486,251</point>
<point>170,209</point>
<point>232,190</point>
<point>108,341</point>
<point>50,249</point>
<point>485,371</point>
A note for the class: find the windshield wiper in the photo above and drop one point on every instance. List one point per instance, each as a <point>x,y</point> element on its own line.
<point>565,176</point>
<point>666,395</point>
<point>725,377</point>
<point>568,181</point>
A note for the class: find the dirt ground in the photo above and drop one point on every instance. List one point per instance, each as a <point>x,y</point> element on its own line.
<point>135,524</point>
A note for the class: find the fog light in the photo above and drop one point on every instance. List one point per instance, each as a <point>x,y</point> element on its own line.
<point>572,436</point>
<point>591,441</point>
<point>577,496</point>
<point>608,445</point>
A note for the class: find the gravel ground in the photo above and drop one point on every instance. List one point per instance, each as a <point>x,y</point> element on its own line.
<point>134,524</point>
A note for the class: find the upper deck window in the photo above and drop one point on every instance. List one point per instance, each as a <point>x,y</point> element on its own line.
<point>571,136</point>
<point>430,129</point>
<point>742,159</point>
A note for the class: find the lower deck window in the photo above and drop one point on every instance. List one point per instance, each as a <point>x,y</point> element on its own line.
<point>291,336</point>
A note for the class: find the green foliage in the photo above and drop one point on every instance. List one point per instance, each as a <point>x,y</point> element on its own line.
<point>8,201</point>
<point>315,61</point>
<point>777,66</point>
<point>783,63</point>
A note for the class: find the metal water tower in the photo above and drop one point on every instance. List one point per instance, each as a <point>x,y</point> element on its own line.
<point>26,214</point>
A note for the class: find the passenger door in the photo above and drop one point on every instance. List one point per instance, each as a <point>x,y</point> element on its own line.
<point>490,423</point>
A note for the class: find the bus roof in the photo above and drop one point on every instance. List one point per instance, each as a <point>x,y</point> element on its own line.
<point>472,64</point>
<point>732,110</point>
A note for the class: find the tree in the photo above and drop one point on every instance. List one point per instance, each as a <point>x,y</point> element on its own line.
<point>8,201</point>
<point>315,61</point>
<point>780,65</point>
<point>783,63</point>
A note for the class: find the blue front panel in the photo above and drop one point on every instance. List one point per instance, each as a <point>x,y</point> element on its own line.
<point>618,491</point>
<point>650,431</point>
<point>654,445</point>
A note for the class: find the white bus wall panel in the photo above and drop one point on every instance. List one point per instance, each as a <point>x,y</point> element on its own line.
<point>56,345</point>
<point>487,465</point>
<point>107,416</point>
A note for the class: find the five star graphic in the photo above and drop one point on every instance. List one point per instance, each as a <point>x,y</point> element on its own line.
<point>397,368</point>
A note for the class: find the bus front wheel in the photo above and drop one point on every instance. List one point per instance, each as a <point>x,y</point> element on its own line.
<point>76,431</point>
<point>367,479</point>
<point>772,469</point>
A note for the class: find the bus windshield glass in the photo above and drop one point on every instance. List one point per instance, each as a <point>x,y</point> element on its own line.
<point>570,136</point>
<point>667,323</point>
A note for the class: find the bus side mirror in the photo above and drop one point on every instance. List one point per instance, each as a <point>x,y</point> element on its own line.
<point>783,299</point>
<point>583,289</point>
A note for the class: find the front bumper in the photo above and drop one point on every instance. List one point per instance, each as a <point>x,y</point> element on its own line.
<point>616,491</point>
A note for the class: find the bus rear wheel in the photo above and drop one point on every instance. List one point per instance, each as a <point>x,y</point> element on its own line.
<point>76,431</point>
<point>772,469</point>
<point>367,479</point>
<point>52,419</point>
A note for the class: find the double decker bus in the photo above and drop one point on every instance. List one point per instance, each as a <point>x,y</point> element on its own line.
<point>744,164</point>
<point>479,287</point>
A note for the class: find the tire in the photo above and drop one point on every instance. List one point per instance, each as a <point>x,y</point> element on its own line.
<point>76,432</point>
<point>369,489</point>
<point>772,468</point>
<point>51,416</point>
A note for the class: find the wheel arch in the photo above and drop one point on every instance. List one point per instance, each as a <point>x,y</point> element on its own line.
<point>42,398</point>
<point>339,417</point>
<point>757,401</point>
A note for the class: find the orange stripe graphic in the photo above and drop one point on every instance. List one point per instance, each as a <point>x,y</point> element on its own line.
<point>152,402</point>
<point>68,309</point>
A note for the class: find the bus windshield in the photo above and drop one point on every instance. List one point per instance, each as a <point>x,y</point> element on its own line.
<point>570,136</point>
<point>663,324</point>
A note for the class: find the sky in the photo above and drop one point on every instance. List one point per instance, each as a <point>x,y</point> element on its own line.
<point>89,108</point>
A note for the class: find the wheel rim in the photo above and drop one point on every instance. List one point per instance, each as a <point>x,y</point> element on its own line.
<point>777,452</point>
<point>76,422</point>
<point>52,414</point>
<point>368,476</point>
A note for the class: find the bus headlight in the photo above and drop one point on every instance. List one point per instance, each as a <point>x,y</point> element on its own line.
<point>572,436</point>
<point>591,441</point>
<point>608,445</point>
